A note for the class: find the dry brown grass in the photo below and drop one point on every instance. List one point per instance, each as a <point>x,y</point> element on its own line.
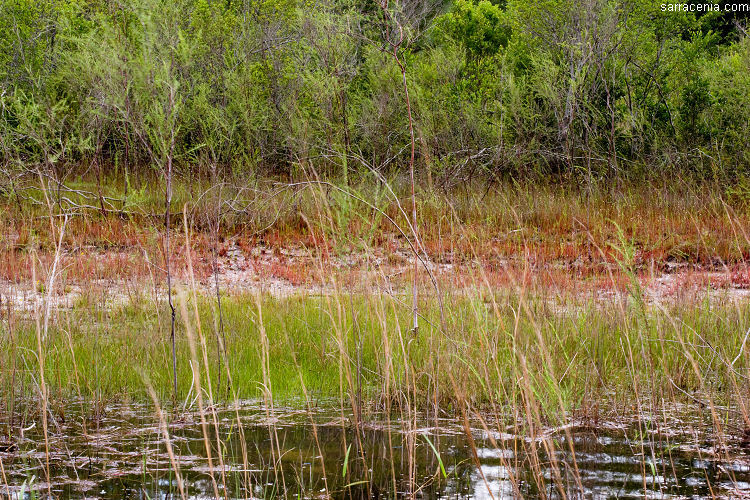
<point>565,239</point>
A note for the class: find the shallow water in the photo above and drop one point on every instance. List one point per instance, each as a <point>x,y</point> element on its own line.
<point>292,453</point>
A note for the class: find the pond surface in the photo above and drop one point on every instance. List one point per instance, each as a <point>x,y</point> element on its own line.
<point>288,453</point>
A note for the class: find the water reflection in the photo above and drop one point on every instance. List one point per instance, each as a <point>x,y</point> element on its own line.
<point>294,455</point>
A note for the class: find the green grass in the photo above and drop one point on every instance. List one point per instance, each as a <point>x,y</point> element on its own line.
<point>504,352</point>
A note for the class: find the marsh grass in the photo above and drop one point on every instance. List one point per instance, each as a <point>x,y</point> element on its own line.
<point>679,221</point>
<point>572,357</point>
<point>507,363</point>
<point>515,358</point>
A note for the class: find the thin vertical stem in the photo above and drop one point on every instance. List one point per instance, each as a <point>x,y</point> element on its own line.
<point>167,258</point>
<point>167,255</point>
<point>396,46</point>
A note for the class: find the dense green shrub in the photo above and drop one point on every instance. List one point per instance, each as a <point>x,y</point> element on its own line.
<point>590,87</point>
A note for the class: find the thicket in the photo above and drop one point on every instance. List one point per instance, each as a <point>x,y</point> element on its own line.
<point>598,88</point>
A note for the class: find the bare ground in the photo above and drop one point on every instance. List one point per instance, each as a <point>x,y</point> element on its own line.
<point>119,275</point>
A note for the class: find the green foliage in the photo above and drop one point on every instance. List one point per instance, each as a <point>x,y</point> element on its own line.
<point>24,40</point>
<point>728,117</point>
<point>479,26</point>
<point>600,87</point>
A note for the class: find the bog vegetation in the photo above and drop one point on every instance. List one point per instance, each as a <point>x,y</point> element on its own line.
<point>511,222</point>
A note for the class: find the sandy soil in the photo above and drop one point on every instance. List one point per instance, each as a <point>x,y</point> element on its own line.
<point>284,272</point>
